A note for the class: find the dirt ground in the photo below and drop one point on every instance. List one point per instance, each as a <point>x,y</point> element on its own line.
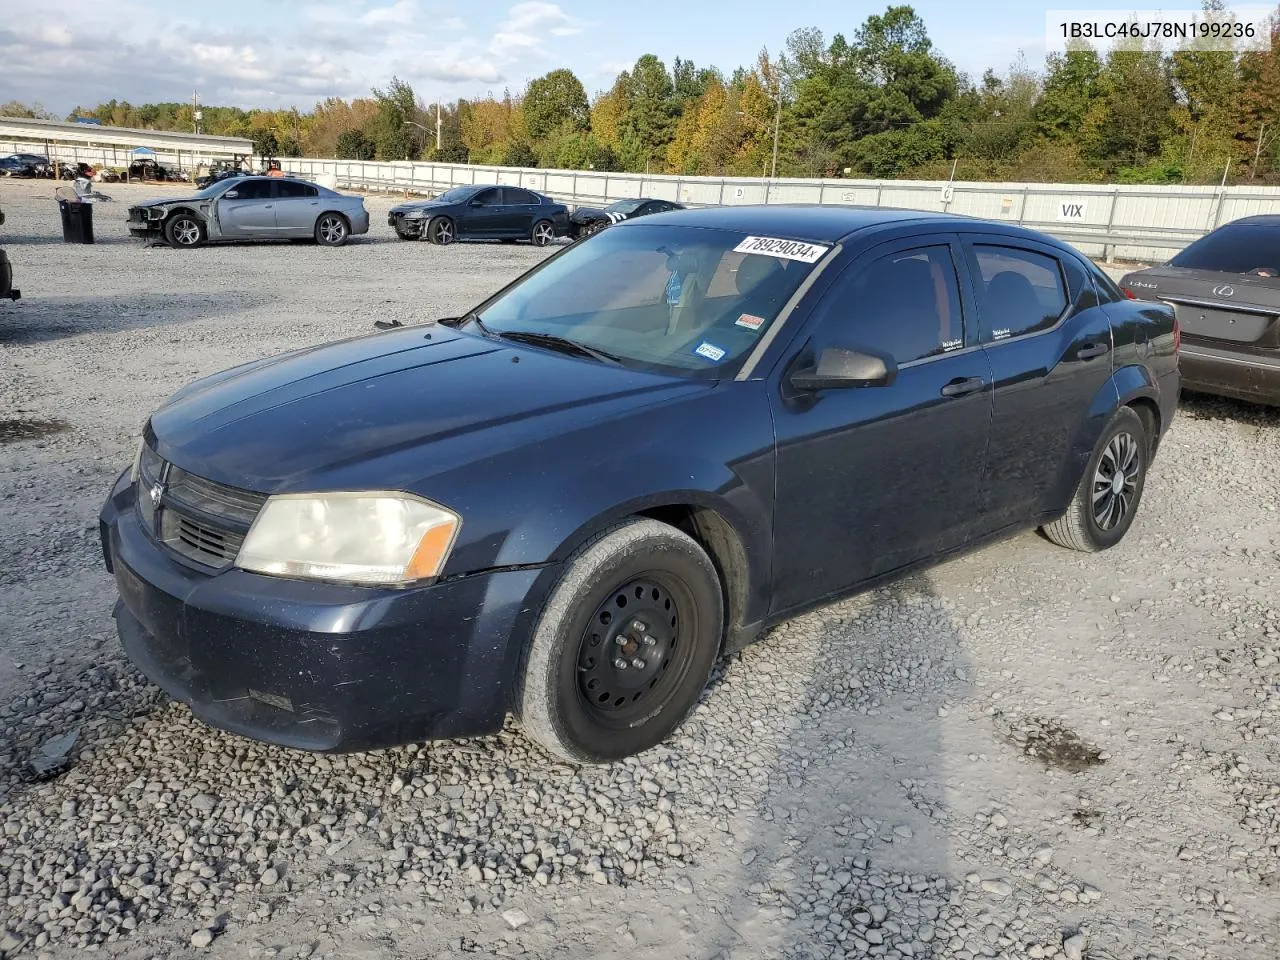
<point>1024,752</point>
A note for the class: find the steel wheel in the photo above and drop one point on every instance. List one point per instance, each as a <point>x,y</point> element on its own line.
<point>543,233</point>
<point>331,230</point>
<point>630,643</point>
<point>442,231</point>
<point>624,644</point>
<point>1115,481</point>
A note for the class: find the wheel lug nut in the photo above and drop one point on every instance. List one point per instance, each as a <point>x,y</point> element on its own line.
<point>638,663</point>
<point>649,641</point>
<point>620,639</point>
<point>620,664</point>
<point>639,626</point>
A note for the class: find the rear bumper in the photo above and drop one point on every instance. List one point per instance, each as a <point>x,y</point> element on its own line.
<point>1229,373</point>
<point>315,666</point>
<point>360,222</point>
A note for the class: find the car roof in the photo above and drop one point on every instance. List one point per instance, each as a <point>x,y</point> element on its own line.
<point>1257,220</point>
<point>827,223</point>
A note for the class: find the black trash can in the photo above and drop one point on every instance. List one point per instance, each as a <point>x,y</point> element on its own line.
<point>77,221</point>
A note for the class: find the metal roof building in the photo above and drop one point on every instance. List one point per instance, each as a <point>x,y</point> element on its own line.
<point>82,141</point>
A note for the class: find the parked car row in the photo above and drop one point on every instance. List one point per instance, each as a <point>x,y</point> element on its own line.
<point>233,205</point>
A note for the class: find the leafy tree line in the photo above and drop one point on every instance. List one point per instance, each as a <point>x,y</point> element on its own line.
<point>880,102</point>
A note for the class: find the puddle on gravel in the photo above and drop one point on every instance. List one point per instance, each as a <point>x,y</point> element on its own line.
<point>1057,746</point>
<point>11,431</point>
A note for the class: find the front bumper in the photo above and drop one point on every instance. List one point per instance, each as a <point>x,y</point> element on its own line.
<point>315,666</point>
<point>140,225</point>
<point>1230,373</point>
<point>406,226</point>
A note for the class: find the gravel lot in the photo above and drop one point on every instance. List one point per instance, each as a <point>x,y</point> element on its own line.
<point>1022,753</point>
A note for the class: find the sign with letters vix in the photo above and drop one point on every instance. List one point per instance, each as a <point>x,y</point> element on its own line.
<point>1071,211</point>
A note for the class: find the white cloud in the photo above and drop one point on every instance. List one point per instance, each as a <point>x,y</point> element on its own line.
<point>327,48</point>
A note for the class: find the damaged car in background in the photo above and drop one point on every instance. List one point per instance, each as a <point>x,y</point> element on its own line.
<point>588,220</point>
<point>252,208</point>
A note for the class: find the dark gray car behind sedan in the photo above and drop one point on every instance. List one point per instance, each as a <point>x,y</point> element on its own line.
<point>1225,288</point>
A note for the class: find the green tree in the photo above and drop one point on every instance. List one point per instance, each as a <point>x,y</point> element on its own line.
<point>33,111</point>
<point>265,144</point>
<point>1069,92</point>
<point>1133,112</point>
<point>554,102</point>
<point>394,138</point>
<point>354,145</point>
<point>649,122</point>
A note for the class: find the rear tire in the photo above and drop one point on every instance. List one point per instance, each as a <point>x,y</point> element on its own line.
<point>185,231</point>
<point>543,233</point>
<point>332,230</point>
<point>441,231</point>
<point>1107,499</point>
<point>624,646</point>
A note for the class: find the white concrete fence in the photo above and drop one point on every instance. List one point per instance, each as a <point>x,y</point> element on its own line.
<point>1145,223</point>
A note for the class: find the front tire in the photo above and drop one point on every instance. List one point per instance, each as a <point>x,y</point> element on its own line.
<point>543,233</point>
<point>624,646</point>
<point>185,231</point>
<point>441,231</point>
<point>1107,499</point>
<point>332,230</point>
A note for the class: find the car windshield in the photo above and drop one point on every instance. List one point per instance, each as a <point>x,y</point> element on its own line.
<point>456,194</point>
<point>215,188</point>
<point>1235,248</point>
<point>684,300</point>
<point>623,206</point>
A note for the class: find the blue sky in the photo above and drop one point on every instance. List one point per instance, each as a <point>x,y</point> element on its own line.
<point>296,52</point>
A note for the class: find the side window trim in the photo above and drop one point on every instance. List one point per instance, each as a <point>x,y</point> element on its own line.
<point>972,240</point>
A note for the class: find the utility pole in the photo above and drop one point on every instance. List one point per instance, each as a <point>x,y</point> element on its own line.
<point>195,112</point>
<point>777,125</point>
<point>437,126</point>
<point>1257,153</point>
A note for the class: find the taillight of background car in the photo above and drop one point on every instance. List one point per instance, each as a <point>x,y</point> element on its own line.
<point>1129,293</point>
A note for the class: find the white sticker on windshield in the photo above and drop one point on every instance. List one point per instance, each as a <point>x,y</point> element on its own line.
<point>710,351</point>
<point>787,249</point>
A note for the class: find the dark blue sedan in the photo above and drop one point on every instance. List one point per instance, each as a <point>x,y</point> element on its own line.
<point>484,212</point>
<point>568,503</point>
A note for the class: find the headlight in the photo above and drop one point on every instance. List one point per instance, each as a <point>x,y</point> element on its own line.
<point>365,537</point>
<point>414,214</point>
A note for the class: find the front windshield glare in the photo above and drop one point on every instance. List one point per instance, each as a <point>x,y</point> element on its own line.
<point>683,300</point>
<point>623,206</point>
<point>454,195</point>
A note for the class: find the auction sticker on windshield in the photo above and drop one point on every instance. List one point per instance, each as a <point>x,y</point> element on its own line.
<point>787,249</point>
<point>749,321</point>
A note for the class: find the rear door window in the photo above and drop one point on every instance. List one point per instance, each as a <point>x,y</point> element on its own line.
<point>516,195</point>
<point>489,198</point>
<point>289,190</point>
<point>1020,291</point>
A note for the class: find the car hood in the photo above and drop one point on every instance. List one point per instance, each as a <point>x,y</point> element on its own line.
<point>419,205</point>
<point>315,419</point>
<point>588,213</point>
<point>1157,283</point>
<point>165,201</point>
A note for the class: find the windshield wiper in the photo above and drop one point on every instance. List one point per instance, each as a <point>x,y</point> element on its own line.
<point>555,342</point>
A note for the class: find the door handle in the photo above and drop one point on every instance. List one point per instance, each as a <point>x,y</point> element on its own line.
<point>963,385</point>
<point>1091,350</point>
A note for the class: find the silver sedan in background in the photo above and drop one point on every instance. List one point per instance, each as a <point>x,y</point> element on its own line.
<point>252,208</point>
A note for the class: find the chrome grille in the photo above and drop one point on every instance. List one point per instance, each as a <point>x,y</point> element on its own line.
<point>196,518</point>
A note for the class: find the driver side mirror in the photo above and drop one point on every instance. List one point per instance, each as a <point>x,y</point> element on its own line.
<point>839,368</point>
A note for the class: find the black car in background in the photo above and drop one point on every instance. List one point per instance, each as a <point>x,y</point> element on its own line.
<point>1225,288</point>
<point>482,212</point>
<point>567,503</point>
<point>25,165</point>
<point>585,221</point>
